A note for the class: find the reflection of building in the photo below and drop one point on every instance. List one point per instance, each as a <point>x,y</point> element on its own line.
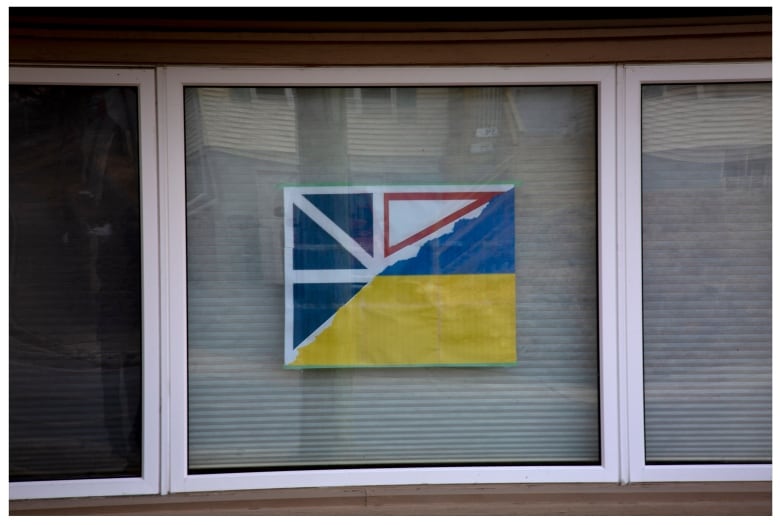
<point>736,105</point>
<point>541,138</point>
<point>251,122</point>
<point>246,142</point>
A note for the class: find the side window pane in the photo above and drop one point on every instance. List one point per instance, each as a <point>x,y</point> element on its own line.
<point>75,283</point>
<point>707,245</point>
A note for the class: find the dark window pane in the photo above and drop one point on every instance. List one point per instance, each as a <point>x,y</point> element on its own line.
<point>75,283</point>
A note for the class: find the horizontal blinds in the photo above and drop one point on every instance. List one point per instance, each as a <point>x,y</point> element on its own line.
<point>706,183</point>
<point>74,351</point>
<point>247,412</point>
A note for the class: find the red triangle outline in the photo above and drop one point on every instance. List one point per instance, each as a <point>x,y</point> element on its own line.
<point>479,198</point>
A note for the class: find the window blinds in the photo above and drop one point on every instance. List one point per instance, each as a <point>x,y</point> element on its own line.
<point>706,212</point>
<point>75,283</point>
<point>245,412</point>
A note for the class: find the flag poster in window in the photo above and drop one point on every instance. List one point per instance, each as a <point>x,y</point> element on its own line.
<point>379,276</point>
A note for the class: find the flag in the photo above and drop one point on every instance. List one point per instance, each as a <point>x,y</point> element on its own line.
<point>379,276</point>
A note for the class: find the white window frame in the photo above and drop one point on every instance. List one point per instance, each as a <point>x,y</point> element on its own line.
<point>173,80</point>
<point>632,405</point>
<point>149,482</point>
<point>165,286</point>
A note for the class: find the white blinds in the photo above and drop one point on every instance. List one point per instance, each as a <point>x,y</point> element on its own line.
<point>248,413</point>
<point>706,190</point>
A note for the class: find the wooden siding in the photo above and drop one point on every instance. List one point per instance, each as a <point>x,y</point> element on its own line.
<point>659,499</point>
<point>56,41</point>
<point>250,40</point>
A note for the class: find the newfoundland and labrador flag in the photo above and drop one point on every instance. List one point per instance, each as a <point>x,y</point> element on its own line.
<point>379,276</point>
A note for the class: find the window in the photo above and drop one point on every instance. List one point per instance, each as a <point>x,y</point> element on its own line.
<point>705,159</point>
<point>250,420</point>
<point>628,207</point>
<point>82,355</point>
<point>544,410</point>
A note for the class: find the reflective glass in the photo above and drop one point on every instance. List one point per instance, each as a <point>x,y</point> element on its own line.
<point>246,147</point>
<point>75,283</point>
<point>707,272</point>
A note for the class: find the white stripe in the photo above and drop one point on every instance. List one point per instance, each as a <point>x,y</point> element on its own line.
<point>332,276</point>
<point>289,352</point>
<point>400,188</point>
<point>379,227</point>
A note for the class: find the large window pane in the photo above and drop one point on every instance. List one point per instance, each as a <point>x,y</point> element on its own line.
<point>75,283</point>
<point>707,245</point>
<point>243,145</point>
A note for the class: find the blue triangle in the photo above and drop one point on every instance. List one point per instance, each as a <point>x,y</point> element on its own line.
<point>316,249</point>
<point>315,303</point>
<point>352,212</point>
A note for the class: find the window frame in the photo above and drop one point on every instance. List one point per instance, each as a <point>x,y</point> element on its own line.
<point>149,482</point>
<point>633,77</point>
<point>173,226</point>
<point>161,119</point>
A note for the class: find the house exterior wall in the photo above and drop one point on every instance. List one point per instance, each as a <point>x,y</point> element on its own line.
<point>39,39</point>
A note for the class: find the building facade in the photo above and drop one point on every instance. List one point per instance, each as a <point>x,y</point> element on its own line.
<point>205,206</point>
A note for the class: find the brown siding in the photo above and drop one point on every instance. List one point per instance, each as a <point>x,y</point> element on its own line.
<point>58,41</point>
<point>170,42</point>
<point>660,499</point>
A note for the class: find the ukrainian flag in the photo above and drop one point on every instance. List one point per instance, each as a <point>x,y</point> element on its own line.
<point>387,276</point>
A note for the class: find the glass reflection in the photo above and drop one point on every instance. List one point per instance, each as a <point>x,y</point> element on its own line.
<point>75,283</point>
<point>707,269</point>
<point>245,144</point>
